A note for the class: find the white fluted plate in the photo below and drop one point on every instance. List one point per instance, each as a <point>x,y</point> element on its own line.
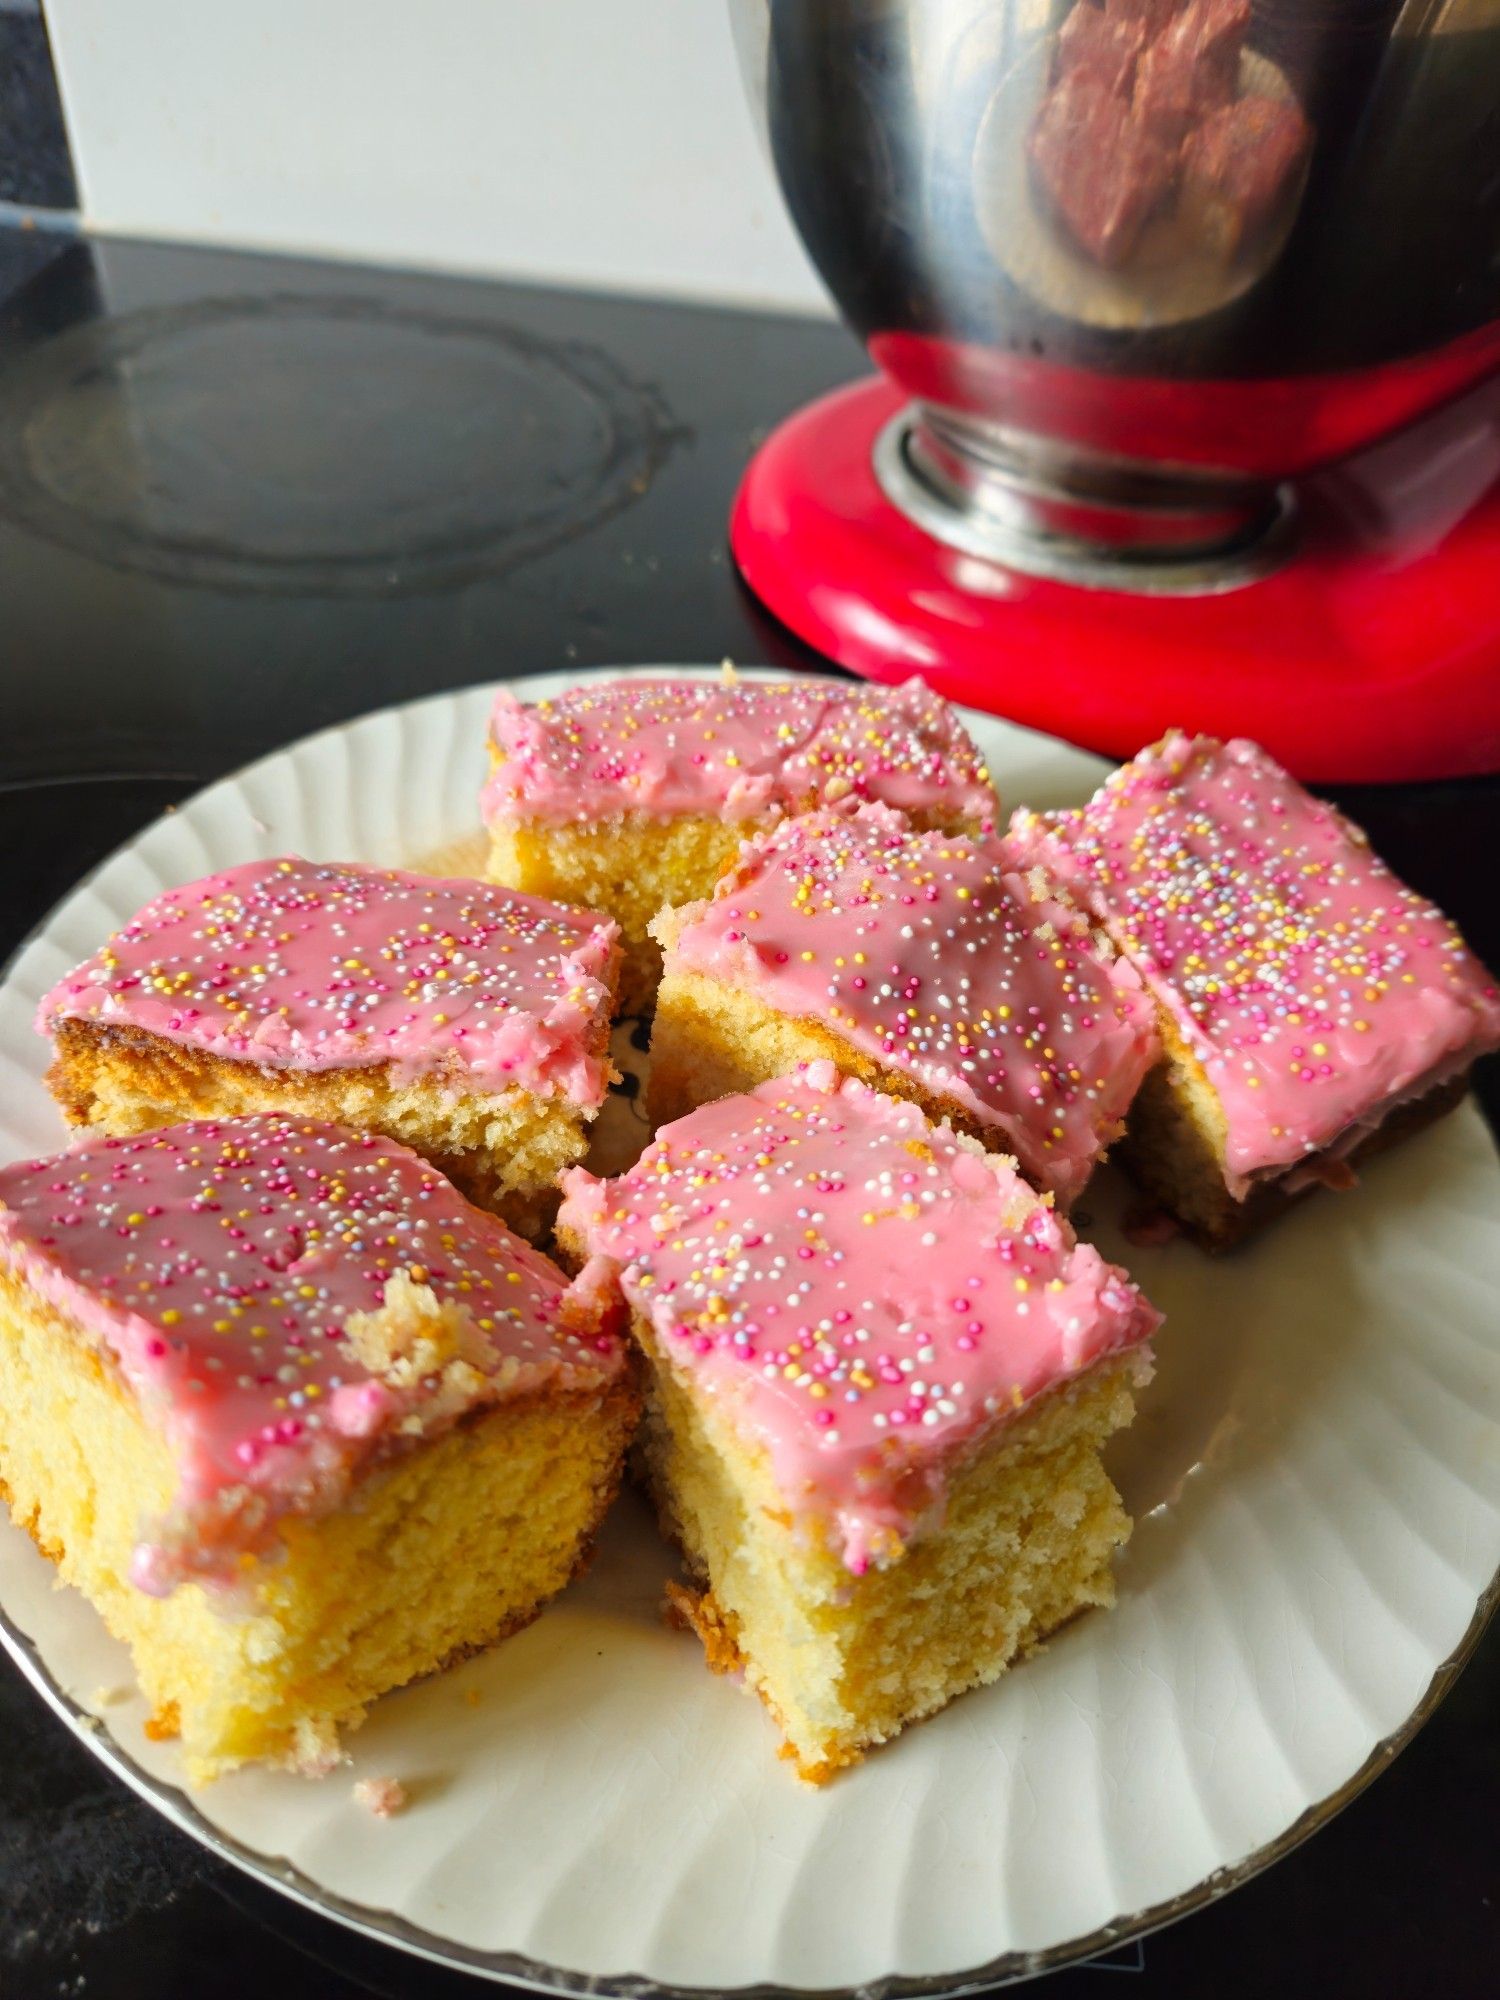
<point>1316,1479</point>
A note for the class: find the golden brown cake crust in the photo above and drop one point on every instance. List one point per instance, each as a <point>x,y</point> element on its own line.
<point>1167,1152</point>
<point>95,1061</point>
<point>123,1079</point>
<point>698,1611</point>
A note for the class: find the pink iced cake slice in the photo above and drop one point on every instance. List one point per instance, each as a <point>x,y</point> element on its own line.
<point>299,1421</point>
<point>1312,1007</point>
<point>881,1369</point>
<point>468,1021</point>
<point>628,795</point>
<point>918,962</point>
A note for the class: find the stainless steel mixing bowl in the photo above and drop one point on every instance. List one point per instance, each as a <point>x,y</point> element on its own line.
<point>1139,262</point>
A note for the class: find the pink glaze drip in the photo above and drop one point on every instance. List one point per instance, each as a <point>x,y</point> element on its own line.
<point>921,951</point>
<point>860,1292</point>
<point>307,965</point>
<point>218,1264</point>
<point>741,750</point>
<point>1315,988</point>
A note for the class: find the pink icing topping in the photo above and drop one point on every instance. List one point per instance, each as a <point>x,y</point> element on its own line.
<point>219,1265</point>
<point>923,952</point>
<point>859,1291</point>
<point>741,749</point>
<point>308,965</point>
<point>1314,987</point>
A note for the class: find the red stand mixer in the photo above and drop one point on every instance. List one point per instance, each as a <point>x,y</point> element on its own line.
<point>1188,318</point>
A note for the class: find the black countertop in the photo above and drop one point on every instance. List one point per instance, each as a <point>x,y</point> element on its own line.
<point>241,498</point>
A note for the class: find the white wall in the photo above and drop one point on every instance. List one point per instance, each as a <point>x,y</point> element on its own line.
<point>596,142</point>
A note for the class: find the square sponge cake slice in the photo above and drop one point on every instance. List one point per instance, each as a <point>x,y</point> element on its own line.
<point>1312,1007</point>
<point>881,1370</point>
<point>468,1022</point>
<point>917,962</point>
<point>300,1422</point>
<point>628,795</point>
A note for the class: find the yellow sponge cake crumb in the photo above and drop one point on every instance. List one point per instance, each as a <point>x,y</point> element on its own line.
<point>470,1024</point>
<point>880,1373</point>
<point>630,796</point>
<point>301,1469</point>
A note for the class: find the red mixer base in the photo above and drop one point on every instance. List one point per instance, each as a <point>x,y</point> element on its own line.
<point>1374,653</point>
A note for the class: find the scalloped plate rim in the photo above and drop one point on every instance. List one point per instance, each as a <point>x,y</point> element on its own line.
<point>387,1926</point>
<point>1012,1968</point>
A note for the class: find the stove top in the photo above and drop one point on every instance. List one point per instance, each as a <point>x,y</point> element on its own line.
<point>471,447</point>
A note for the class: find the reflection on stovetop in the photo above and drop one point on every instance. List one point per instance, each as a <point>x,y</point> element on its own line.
<point>369,448</point>
<point>241,498</point>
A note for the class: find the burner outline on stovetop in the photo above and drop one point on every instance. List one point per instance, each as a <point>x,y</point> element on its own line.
<point>107,431</point>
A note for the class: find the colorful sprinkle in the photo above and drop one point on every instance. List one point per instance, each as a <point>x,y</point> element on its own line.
<point>228,1310</point>
<point>742,749</point>
<point>1316,989</point>
<point>920,950</point>
<point>861,1370</point>
<point>302,965</point>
